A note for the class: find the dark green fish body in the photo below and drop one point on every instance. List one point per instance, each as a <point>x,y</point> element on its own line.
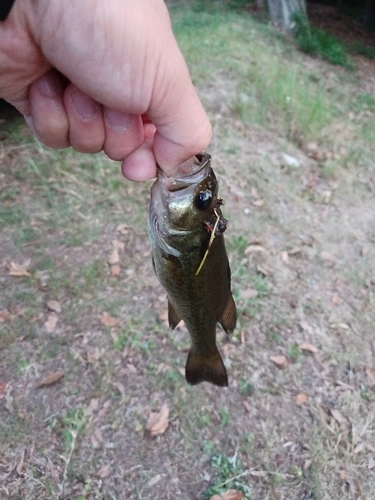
<point>184,214</point>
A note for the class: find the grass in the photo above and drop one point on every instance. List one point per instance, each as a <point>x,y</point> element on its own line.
<point>318,42</point>
<point>63,211</point>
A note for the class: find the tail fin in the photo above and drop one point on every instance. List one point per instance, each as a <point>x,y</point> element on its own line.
<point>200,368</point>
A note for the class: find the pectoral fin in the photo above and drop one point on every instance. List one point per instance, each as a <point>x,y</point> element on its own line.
<point>173,317</point>
<point>228,317</point>
<point>202,368</point>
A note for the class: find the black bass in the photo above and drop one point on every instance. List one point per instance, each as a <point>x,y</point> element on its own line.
<point>186,229</point>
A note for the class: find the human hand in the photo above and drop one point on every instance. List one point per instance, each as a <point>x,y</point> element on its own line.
<point>103,75</point>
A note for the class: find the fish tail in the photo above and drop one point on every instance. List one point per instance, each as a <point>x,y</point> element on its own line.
<point>203,368</point>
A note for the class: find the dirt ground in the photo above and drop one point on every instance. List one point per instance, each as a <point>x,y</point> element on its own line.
<point>81,305</point>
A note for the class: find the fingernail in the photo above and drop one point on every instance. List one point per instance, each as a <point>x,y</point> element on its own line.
<point>49,85</point>
<point>118,120</point>
<point>84,105</point>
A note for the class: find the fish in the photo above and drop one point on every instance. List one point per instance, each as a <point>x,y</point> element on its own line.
<point>186,232</point>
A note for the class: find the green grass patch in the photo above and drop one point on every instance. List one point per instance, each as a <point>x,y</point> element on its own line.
<point>318,42</point>
<point>230,475</point>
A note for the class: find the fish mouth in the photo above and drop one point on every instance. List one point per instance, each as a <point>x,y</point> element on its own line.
<point>190,173</point>
<point>166,188</point>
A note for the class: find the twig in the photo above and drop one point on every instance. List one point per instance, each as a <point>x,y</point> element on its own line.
<point>209,243</point>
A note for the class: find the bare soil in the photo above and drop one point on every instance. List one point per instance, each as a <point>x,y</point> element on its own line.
<point>297,420</point>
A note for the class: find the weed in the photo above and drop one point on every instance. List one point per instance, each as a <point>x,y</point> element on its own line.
<point>230,475</point>
<point>362,49</point>
<point>10,215</point>
<point>224,416</point>
<point>93,272</point>
<point>294,352</point>
<point>245,387</point>
<point>318,42</point>
<point>74,422</point>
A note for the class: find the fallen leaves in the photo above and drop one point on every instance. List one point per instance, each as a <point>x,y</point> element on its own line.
<point>113,257</point>
<point>54,305</point>
<point>19,269</point>
<point>305,346</point>
<point>21,463</point>
<point>5,316</point>
<point>340,419</point>
<point>280,361</point>
<point>301,398</point>
<point>157,422</point>
<point>104,471</point>
<point>2,390</point>
<point>370,372</point>
<point>254,248</point>
<point>107,320</point>
<point>115,270</point>
<point>50,379</point>
<point>229,495</point>
<point>51,322</point>
<point>249,293</point>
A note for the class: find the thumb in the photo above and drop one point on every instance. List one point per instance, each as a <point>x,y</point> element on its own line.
<point>182,126</point>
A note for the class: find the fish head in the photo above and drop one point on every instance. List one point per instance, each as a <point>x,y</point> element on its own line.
<point>189,200</point>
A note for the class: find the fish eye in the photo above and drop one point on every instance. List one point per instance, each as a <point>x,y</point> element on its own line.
<point>203,199</point>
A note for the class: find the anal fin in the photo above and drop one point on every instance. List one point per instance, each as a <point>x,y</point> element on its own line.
<point>228,317</point>
<point>173,317</point>
<point>202,368</point>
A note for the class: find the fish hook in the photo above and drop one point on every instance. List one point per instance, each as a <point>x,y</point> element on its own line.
<point>209,243</point>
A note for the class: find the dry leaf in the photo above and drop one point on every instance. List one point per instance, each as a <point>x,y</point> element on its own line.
<point>229,495</point>
<point>120,388</point>
<point>104,471</point>
<point>335,300</point>
<point>295,251</point>
<point>280,361</point>
<point>50,379</point>
<point>301,398</point>
<point>249,293</point>
<point>5,316</point>
<point>285,257</point>
<point>254,248</point>
<point>20,463</point>
<point>122,229</point>
<point>2,390</point>
<point>157,422</point>
<point>258,473</point>
<point>115,270</point>
<point>358,448</point>
<point>340,419</point>
<point>19,269</point>
<point>308,347</point>
<point>263,270</point>
<point>154,480</point>
<point>343,475</point>
<point>370,372</point>
<point>342,386</point>
<point>9,401</point>
<point>108,320</point>
<point>328,257</point>
<point>113,257</point>
<point>119,245</point>
<point>53,305</point>
<point>51,322</point>
<point>257,203</point>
